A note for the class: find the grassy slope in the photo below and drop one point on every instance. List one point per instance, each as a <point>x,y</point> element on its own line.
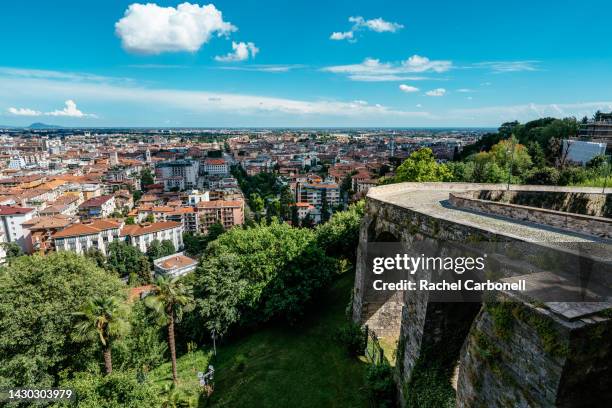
<point>285,367</point>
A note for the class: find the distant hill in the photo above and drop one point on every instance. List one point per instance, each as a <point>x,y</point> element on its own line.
<point>39,125</point>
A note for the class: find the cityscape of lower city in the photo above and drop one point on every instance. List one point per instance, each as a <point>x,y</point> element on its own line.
<point>273,204</point>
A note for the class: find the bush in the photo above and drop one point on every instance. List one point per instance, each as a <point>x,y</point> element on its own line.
<point>380,386</point>
<point>353,337</point>
<point>543,176</point>
<point>118,389</point>
<point>573,175</point>
<point>340,235</point>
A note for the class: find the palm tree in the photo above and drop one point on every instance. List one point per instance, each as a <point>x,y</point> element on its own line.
<point>169,298</point>
<point>102,318</point>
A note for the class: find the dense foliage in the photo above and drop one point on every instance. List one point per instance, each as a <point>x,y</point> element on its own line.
<point>421,166</point>
<point>260,273</point>
<point>127,260</point>
<point>117,390</point>
<point>37,297</point>
<point>339,236</point>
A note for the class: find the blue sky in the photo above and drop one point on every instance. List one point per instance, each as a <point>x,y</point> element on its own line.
<point>302,63</point>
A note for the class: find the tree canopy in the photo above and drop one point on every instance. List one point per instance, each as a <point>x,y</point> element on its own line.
<point>37,297</point>
<point>422,166</point>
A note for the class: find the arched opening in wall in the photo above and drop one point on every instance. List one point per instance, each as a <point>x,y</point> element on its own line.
<point>381,309</point>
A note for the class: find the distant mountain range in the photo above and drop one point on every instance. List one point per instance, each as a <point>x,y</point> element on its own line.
<point>39,125</point>
<point>36,125</point>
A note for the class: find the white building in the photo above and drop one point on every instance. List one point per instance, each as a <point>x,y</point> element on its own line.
<point>195,196</point>
<point>183,173</point>
<point>89,234</point>
<point>174,265</point>
<point>141,236</point>
<point>216,167</point>
<point>11,220</point>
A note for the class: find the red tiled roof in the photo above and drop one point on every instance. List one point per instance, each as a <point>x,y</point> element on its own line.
<point>96,201</point>
<point>89,228</point>
<point>137,230</point>
<point>9,210</point>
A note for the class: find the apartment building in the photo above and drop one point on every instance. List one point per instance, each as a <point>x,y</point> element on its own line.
<point>216,167</point>
<point>11,224</point>
<point>141,236</point>
<point>181,174</point>
<point>317,193</point>
<point>97,207</point>
<point>226,213</point>
<point>82,236</point>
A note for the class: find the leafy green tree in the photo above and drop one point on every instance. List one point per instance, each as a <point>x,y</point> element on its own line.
<point>253,275</point>
<point>214,231</point>
<point>130,221</point>
<point>257,204</point>
<point>146,177</point>
<point>102,319</point>
<point>169,298</point>
<point>339,236</point>
<point>125,259</point>
<point>145,346</point>
<point>37,294</point>
<point>157,249</point>
<point>117,390</point>
<point>286,202</point>
<point>511,155</point>
<point>12,250</point>
<point>543,176</point>
<point>421,166</point>
<point>150,218</point>
<point>96,255</point>
<point>195,244</point>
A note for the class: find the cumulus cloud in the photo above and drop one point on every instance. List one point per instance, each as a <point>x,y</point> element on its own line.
<point>372,69</point>
<point>377,25</point>
<point>436,92</point>
<point>70,110</point>
<point>24,112</point>
<point>408,88</point>
<point>241,52</point>
<point>151,29</point>
<point>339,35</point>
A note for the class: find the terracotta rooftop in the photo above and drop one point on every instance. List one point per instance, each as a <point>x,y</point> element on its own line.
<point>96,201</point>
<point>89,228</point>
<point>8,210</point>
<point>137,230</point>
<point>176,261</point>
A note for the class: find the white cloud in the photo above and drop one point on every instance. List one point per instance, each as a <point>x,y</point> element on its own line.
<point>70,110</point>
<point>416,63</point>
<point>377,25</point>
<point>263,67</point>
<point>408,88</point>
<point>372,69</point>
<point>242,51</point>
<point>418,105</point>
<point>469,98</point>
<point>151,29</point>
<point>23,112</point>
<point>510,66</point>
<point>436,92</point>
<point>143,99</point>
<point>338,35</point>
<point>384,78</point>
<point>465,90</point>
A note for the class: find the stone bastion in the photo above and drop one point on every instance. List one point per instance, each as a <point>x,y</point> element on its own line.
<point>547,346</point>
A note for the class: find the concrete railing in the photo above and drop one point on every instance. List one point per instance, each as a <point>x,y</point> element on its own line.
<point>586,224</point>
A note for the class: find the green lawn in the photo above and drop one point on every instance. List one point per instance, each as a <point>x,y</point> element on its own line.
<point>283,367</point>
